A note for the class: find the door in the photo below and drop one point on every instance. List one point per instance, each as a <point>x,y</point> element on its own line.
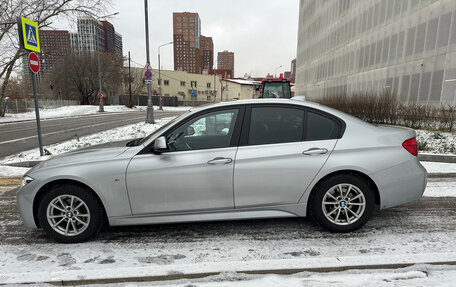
<point>282,149</point>
<point>195,173</point>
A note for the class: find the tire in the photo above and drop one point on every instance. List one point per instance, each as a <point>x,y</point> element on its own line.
<point>342,212</point>
<point>70,214</point>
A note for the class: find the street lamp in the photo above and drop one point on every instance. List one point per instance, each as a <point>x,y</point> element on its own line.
<point>159,77</point>
<point>275,73</point>
<point>150,109</point>
<point>100,89</point>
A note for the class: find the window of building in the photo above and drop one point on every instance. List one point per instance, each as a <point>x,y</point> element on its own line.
<point>405,88</point>
<point>424,89</point>
<point>431,34</point>
<point>436,86</point>
<point>409,45</point>
<point>182,83</point>
<point>420,34</point>
<point>444,30</point>
<point>194,84</point>
<point>166,82</point>
<point>208,85</point>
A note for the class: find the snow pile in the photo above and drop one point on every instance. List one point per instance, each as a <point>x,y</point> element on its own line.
<point>436,142</point>
<point>138,130</point>
<point>71,111</point>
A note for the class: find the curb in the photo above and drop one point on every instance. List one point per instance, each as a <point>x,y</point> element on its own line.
<point>437,158</point>
<point>180,276</point>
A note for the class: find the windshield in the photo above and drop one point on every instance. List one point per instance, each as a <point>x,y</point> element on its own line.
<point>276,90</point>
<point>162,128</point>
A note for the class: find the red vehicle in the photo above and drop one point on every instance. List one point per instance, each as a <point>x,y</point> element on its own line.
<point>275,88</point>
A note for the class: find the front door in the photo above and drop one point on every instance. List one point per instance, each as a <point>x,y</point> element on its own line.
<point>194,174</point>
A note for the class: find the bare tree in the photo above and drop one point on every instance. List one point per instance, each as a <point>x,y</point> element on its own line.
<point>44,13</point>
<point>82,82</point>
<point>137,85</point>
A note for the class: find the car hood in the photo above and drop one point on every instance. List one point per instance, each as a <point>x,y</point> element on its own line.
<point>85,155</point>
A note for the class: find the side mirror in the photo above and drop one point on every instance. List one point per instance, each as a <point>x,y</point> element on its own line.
<point>160,144</point>
<point>190,131</point>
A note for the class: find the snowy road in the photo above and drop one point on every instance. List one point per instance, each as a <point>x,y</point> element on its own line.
<point>20,136</point>
<point>426,227</point>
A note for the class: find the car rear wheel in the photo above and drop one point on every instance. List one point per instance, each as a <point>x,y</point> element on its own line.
<point>70,214</point>
<point>342,203</point>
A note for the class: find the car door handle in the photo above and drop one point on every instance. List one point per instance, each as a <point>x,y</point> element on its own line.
<point>220,160</point>
<point>315,151</point>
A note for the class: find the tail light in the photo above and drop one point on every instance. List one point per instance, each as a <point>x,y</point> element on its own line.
<point>411,146</point>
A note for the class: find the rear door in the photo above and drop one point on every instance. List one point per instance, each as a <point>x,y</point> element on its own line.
<point>282,149</point>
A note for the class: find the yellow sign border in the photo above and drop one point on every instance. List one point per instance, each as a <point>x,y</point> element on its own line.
<point>24,35</point>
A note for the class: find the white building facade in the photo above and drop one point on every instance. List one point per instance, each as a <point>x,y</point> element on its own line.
<point>406,47</point>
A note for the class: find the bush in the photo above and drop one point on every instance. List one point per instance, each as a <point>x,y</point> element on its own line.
<point>384,108</point>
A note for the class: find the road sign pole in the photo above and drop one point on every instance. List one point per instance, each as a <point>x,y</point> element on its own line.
<point>150,109</point>
<point>37,112</point>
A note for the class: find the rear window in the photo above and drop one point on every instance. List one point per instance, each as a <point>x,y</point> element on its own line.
<point>320,127</point>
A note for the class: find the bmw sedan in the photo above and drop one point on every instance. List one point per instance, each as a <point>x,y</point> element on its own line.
<point>267,158</point>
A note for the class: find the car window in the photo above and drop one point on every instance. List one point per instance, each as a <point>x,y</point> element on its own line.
<point>211,130</point>
<point>320,127</point>
<point>269,125</point>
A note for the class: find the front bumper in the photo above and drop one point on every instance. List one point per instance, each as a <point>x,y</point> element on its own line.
<point>25,199</point>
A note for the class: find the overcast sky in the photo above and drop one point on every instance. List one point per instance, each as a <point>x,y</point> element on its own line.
<point>261,33</point>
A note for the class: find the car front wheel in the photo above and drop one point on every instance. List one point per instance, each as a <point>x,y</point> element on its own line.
<point>343,203</point>
<point>70,214</point>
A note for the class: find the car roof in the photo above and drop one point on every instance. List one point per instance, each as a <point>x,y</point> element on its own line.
<point>297,102</point>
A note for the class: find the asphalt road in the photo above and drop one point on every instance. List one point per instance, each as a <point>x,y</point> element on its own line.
<point>22,136</point>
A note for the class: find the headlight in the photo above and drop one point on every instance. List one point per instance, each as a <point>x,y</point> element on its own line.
<point>26,180</point>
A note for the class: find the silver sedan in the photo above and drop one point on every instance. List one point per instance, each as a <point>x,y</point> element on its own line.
<point>233,160</point>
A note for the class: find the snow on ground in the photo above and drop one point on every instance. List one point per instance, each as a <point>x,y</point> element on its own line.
<point>439,167</point>
<point>12,171</point>
<point>418,275</point>
<point>440,188</point>
<point>118,134</point>
<point>71,111</point>
<point>436,142</point>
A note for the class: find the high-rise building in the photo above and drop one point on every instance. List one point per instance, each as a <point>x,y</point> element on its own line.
<point>207,54</point>
<point>118,44</point>
<point>407,48</point>
<point>89,38</point>
<point>186,42</point>
<point>94,35</point>
<point>55,46</point>
<point>225,61</point>
<point>109,37</point>
<point>293,70</point>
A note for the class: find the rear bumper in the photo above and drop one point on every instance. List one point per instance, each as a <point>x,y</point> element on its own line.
<point>401,184</point>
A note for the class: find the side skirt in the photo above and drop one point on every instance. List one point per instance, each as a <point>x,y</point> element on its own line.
<point>280,211</point>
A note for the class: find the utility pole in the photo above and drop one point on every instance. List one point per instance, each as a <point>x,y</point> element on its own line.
<point>150,109</point>
<point>129,80</point>
<point>100,91</point>
<point>215,89</point>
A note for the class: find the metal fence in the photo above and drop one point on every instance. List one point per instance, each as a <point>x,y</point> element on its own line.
<point>14,106</point>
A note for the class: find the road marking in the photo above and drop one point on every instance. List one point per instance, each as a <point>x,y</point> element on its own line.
<point>10,181</point>
<point>73,129</point>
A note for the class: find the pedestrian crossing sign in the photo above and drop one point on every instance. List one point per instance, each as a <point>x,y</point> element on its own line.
<point>30,35</point>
